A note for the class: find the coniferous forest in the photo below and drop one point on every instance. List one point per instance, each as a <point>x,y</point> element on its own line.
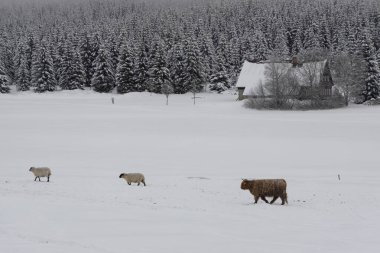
<point>137,45</point>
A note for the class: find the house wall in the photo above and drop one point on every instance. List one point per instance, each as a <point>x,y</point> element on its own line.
<point>240,93</point>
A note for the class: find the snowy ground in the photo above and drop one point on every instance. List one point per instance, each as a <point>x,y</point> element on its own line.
<point>193,158</point>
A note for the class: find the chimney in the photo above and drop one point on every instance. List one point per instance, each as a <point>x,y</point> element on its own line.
<point>295,62</point>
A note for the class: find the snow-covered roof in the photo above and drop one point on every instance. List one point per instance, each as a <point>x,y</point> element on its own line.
<point>252,75</point>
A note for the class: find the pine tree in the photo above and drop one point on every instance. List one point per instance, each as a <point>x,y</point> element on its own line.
<point>74,76</point>
<point>113,50</point>
<point>372,80</point>
<point>194,75</point>
<point>221,50</point>
<point>280,49</point>
<point>207,50</point>
<point>22,79</point>
<point>65,55</point>
<point>311,41</point>
<point>31,51</point>
<point>7,52</point>
<point>141,75</point>
<point>158,72</point>
<point>219,80</point>
<point>259,47</point>
<point>352,44</point>
<point>22,75</point>
<point>296,42</point>
<point>4,80</point>
<point>177,68</point>
<point>125,80</point>
<point>72,73</point>
<point>324,34</point>
<point>102,80</point>
<point>86,53</point>
<point>42,71</point>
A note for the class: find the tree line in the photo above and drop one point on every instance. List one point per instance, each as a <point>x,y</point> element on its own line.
<point>171,46</point>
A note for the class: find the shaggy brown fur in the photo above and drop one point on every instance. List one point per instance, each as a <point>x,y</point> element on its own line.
<point>262,188</point>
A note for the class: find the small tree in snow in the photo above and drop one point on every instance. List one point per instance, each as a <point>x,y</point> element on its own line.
<point>167,89</point>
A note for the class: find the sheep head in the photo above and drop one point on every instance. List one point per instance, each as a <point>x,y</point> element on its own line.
<point>121,175</point>
<point>245,184</point>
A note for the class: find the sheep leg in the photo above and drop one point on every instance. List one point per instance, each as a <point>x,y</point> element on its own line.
<point>35,179</point>
<point>263,198</point>
<point>143,182</point>
<point>129,183</point>
<point>283,199</point>
<point>274,199</point>
<point>256,199</point>
<point>138,184</point>
<point>39,179</point>
<point>48,178</point>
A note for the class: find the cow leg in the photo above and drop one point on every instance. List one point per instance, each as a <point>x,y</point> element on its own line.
<point>263,198</point>
<point>256,199</point>
<point>274,199</point>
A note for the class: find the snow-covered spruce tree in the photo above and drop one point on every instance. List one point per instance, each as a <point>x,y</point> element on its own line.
<point>42,70</point>
<point>4,80</point>
<point>324,34</point>
<point>86,53</point>
<point>31,52</point>
<point>295,41</point>
<point>219,81</point>
<point>221,49</point>
<point>353,46</point>
<point>141,67</point>
<point>372,71</point>
<point>259,47</point>
<point>339,43</point>
<point>22,75</point>
<point>72,72</point>
<point>207,50</point>
<point>7,53</point>
<point>194,75</point>
<point>102,80</point>
<point>280,47</point>
<point>311,41</point>
<point>177,68</point>
<point>22,78</point>
<point>113,49</point>
<point>158,72</point>
<point>234,56</point>
<point>125,79</point>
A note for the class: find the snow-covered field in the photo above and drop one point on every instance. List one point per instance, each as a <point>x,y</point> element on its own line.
<point>193,158</point>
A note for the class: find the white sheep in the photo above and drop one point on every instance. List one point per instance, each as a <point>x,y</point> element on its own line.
<point>133,178</point>
<point>41,172</point>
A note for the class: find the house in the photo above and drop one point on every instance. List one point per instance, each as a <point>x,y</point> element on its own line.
<point>309,77</point>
